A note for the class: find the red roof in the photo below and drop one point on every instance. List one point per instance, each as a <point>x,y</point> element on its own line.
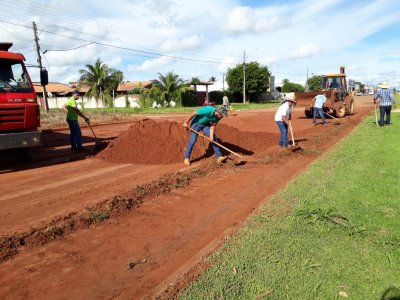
<point>53,87</point>
<point>126,86</point>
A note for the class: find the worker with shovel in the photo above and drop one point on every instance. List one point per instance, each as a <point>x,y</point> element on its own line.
<point>73,112</point>
<point>282,119</point>
<point>317,104</point>
<point>204,119</point>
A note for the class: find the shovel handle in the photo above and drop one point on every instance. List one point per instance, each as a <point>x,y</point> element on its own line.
<point>90,126</point>
<point>330,116</point>
<point>291,132</point>
<point>218,144</point>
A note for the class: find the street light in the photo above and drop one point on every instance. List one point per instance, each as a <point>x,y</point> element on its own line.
<point>244,75</point>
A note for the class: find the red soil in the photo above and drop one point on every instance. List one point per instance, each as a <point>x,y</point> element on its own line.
<point>171,216</point>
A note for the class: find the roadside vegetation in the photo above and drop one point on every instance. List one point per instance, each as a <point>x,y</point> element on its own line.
<point>332,233</point>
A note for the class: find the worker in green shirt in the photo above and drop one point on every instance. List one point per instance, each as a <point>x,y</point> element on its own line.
<point>204,119</point>
<point>73,112</point>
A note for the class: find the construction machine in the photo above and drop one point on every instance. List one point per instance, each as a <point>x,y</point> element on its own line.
<point>339,101</point>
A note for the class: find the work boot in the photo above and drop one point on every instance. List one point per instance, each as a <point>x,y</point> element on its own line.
<point>186,161</point>
<point>221,159</point>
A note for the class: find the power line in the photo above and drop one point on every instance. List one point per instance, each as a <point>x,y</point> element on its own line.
<point>126,48</point>
<point>145,40</point>
<point>45,51</point>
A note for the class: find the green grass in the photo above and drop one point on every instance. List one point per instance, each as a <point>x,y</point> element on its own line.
<point>336,228</point>
<point>56,117</point>
<point>397,100</point>
<point>123,110</point>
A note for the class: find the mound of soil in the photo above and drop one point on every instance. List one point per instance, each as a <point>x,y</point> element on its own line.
<point>150,142</point>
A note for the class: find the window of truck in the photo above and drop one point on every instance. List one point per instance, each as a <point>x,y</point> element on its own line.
<point>13,77</point>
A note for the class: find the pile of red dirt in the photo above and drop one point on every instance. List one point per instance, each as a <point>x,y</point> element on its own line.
<point>150,142</point>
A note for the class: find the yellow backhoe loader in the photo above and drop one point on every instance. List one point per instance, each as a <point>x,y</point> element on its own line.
<point>339,101</point>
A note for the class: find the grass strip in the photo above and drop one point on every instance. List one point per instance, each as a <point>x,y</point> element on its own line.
<point>332,233</point>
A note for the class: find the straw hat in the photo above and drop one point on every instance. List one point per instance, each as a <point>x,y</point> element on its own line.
<point>384,85</point>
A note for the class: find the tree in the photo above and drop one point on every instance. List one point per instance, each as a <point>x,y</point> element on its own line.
<point>100,79</point>
<point>257,79</point>
<point>171,87</point>
<point>314,83</point>
<point>289,87</point>
<point>212,79</point>
<point>195,81</point>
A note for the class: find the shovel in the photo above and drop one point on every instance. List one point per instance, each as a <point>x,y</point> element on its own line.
<point>97,144</point>
<point>293,140</point>
<point>376,117</point>
<point>219,145</point>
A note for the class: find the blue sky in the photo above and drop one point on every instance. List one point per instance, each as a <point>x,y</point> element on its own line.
<point>204,39</point>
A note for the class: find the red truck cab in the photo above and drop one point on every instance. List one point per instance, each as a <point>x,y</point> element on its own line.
<point>19,109</point>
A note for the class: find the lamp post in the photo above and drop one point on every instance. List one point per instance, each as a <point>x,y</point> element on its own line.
<point>244,75</point>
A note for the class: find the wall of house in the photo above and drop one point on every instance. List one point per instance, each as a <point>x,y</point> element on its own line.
<point>58,102</point>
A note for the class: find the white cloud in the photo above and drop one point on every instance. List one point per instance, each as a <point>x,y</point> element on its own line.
<point>291,36</point>
<point>305,51</point>
<point>184,44</point>
<point>152,65</point>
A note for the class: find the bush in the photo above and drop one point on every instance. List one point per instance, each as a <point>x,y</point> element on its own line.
<point>188,98</point>
<point>135,91</point>
<point>216,96</point>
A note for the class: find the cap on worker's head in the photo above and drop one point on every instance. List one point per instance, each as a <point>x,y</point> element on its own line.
<point>75,92</point>
<point>222,111</point>
<point>384,85</point>
<point>292,100</point>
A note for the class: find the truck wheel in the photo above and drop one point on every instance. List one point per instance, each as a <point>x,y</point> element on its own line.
<point>340,111</point>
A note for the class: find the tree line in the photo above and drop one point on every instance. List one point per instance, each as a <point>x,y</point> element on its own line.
<point>171,90</point>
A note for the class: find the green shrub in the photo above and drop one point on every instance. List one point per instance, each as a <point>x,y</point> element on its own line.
<point>188,98</point>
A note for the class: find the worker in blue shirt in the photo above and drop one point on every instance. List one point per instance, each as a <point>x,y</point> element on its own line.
<point>318,103</point>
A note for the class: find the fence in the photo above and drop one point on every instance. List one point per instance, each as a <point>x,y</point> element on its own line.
<point>83,101</point>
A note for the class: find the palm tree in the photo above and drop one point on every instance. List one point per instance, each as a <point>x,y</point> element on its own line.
<point>100,79</point>
<point>170,85</point>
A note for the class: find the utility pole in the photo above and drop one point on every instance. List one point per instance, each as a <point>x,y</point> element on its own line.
<point>307,81</point>
<point>39,60</point>
<point>244,77</point>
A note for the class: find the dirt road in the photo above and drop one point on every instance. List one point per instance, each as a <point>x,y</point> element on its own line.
<point>68,238</point>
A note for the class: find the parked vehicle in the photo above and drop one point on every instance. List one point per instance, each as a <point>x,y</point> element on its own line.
<point>19,109</point>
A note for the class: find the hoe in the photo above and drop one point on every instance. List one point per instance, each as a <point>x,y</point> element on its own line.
<point>240,161</point>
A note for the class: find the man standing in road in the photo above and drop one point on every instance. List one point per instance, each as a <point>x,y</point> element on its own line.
<point>317,104</point>
<point>73,112</point>
<point>385,103</point>
<point>282,118</point>
<point>225,101</point>
<point>204,119</point>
